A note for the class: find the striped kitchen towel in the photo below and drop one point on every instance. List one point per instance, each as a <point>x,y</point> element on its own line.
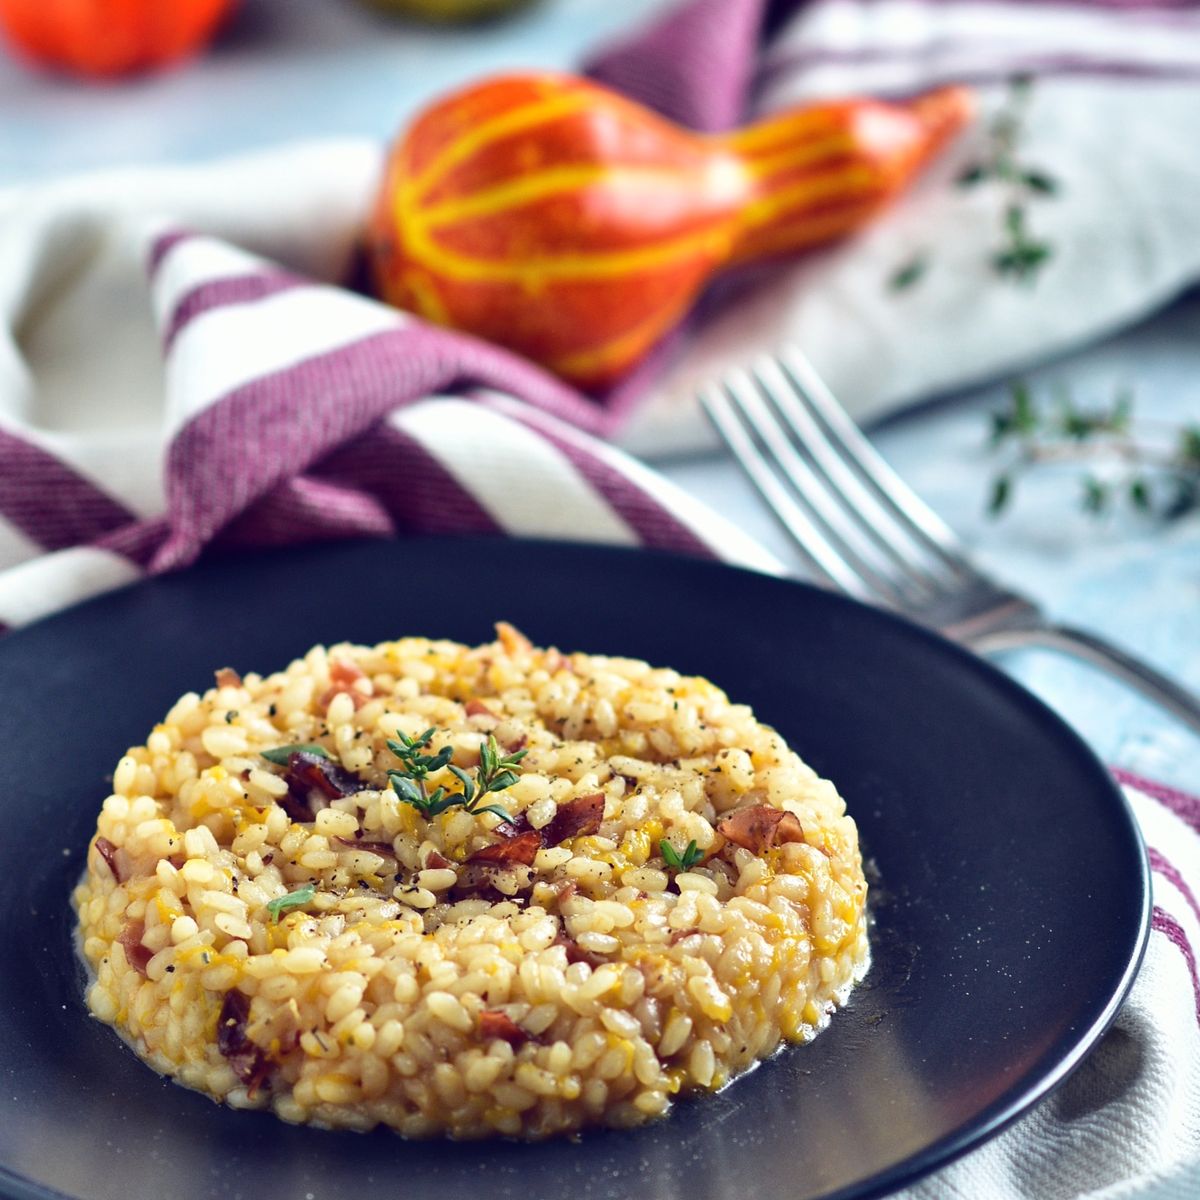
<point>296,412</point>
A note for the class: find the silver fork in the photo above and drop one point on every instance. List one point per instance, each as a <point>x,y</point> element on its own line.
<point>864,531</point>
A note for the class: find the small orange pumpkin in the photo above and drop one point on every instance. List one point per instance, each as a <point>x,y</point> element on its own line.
<point>110,37</point>
<point>576,227</point>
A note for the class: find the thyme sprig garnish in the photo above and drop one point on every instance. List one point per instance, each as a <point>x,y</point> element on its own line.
<point>677,860</point>
<point>494,774</point>
<point>297,899</point>
<point>1160,476</point>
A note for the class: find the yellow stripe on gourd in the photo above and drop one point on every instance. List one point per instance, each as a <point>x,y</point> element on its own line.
<point>779,241</point>
<point>428,303</point>
<point>555,181</point>
<point>767,134</point>
<point>805,155</point>
<point>618,350</point>
<point>848,182</point>
<point>516,120</point>
<point>535,272</point>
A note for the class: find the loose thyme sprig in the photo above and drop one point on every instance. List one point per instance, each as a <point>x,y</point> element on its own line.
<point>1163,477</point>
<point>1021,254</point>
<point>494,774</point>
<point>677,861</point>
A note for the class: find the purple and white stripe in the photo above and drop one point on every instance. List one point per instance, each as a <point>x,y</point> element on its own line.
<point>1170,822</point>
<point>298,411</point>
<point>695,64</point>
<point>890,46</point>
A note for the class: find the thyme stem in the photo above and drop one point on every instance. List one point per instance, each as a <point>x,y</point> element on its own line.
<point>1150,477</point>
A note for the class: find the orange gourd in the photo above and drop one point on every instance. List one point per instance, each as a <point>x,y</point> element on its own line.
<point>562,220</point>
<point>110,37</point>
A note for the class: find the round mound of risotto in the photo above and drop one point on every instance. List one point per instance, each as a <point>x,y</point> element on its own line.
<point>467,891</point>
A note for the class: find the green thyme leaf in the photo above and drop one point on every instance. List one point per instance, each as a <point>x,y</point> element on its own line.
<point>405,788</point>
<point>1095,495</point>
<point>1023,416</point>
<point>297,899</point>
<point>435,762</point>
<point>909,274</point>
<point>1039,181</point>
<point>502,813</point>
<point>468,784</point>
<point>280,755</point>
<point>974,174</point>
<point>487,757</point>
<point>1146,474</point>
<point>1020,256</point>
<point>1122,412</point>
<point>1189,446</point>
<point>1002,487</point>
<point>677,861</point>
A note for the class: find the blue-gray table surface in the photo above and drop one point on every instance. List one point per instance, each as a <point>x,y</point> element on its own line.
<point>289,69</point>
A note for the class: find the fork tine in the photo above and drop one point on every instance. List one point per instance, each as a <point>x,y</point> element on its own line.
<point>825,561</point>
<point>843,529</point>
<point>822,471</point>
<point>905,507</point>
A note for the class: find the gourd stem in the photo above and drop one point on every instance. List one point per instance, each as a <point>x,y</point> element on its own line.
<point>819,172</point>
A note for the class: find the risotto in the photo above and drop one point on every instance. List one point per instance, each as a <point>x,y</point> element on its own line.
<point>467,890</point>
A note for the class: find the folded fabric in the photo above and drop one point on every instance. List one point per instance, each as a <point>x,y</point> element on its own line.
<point>297,412</point>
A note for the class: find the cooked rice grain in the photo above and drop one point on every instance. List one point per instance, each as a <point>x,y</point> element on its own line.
<point>415,991</point>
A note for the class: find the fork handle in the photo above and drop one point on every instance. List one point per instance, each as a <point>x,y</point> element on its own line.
<point>1165,692</point>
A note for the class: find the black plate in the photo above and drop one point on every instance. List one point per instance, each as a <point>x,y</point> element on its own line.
<point>1012,912</point>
